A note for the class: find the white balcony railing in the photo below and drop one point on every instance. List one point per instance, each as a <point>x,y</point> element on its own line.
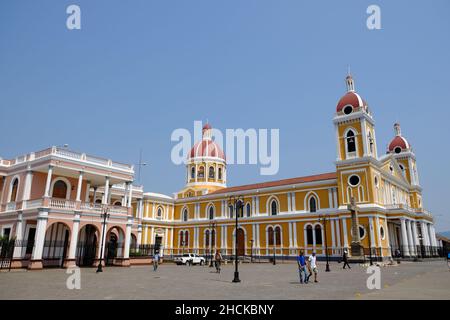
<point>68,154</point>
<point>407,208</point>
<point>62,204</point>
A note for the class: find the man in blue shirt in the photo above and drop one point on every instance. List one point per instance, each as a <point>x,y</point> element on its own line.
<point>301,261</point>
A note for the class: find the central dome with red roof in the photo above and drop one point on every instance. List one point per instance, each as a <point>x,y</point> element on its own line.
<point>206,148</point>
<point>350,99</point>
<point>399,143</point>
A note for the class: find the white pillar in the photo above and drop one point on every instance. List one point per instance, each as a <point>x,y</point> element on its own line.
<point>378,232</point>
<point>27,187</point>
<point>88,190</point>
<point>40,236</point>
<point>290,235</point>
<point>294,226</point>
<point>106,193</point>
<point>371,232</point>
<point>333,238</point>
<point>410,238</point>
<point>130,194</point>
<point>19,236</point>
<point>74,236</point>
<point>126,253</point>
<point>405,244</point>
<point>415,235</point>
<point>426,240</point>
<point>80,183</point>
<point>48,182</point>
<point>139,235</point>
<point>344,231</point>
<point>338,234</point>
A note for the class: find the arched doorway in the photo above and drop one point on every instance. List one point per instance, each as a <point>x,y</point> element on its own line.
<point>56,245</point>
<point>115,240</point>
<point>87,246</point>
<point>240,242</point>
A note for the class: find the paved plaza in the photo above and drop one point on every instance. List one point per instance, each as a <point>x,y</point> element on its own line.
<point>409,280</point>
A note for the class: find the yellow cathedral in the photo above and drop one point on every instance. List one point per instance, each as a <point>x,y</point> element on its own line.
<point>309,213</point>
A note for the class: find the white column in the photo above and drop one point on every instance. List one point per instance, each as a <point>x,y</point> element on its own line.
<point>377,226</point>
<point>74,236</point>
<point>290,235</point>
<point>130,194</point>
<point>371,232</point>
<point>410,238</point>
<point>333,238</point>
<point>293,202</point>
<point>425,239</point>
<point>126,253</point>
<point>152,235</point>
<point>106,194</point>
<point>405,244</point>
<point>415,235</point>
<point>19,235</point>
<point>88,188</point>
<point>338,234</point>
<point>27,187</point>
<point>40,236</point>
<point>344,231</point>
<point>294,226</point>
<point>80,183</point>
<point>433,234</point>
<point>48,182</point>
<point>139,235</point>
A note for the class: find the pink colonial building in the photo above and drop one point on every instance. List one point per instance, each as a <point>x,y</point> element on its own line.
<point>52,203</point>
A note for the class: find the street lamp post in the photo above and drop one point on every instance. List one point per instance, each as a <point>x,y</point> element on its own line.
<point>105,216</point>
<point>213,237</point>
<point>324,218</point>
<point>370,246</point>
<point>237,202</point>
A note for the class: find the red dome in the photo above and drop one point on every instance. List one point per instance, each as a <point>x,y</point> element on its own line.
<point>350,98</point>
<point>207,126</point>
<point>206,148</point>
<point>398,141</point>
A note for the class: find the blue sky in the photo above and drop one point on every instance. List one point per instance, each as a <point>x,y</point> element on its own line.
<point>137,70</point>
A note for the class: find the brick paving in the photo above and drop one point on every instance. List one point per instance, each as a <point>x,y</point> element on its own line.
<point>409,280</point>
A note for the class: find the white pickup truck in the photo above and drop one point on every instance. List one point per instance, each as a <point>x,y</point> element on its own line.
<point>190,258</point>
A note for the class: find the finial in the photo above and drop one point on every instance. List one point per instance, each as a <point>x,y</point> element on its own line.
<point>349,81</point>
<point>397,130</point>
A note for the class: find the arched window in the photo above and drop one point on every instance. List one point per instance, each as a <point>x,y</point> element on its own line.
<point>312,204</point>
<point>181,238</point>
<point>211,213</point>
<point>211,173</point>
<point>370,142</point>
<point>318,231</point>
<point>118,203</point>
<point>213,237</point>
<point>98,201</point>
<point>309,235</point>
<point>273,208</point>
<point>201,172</point>
<point>193,173</point>
<point>240,206</point>
<point>270,236</point>
<point>249,210</point>
<point>207,238</point>
<point>59,190</point>
<point>350,138</point>
<point>159,213</point>
<point>14,188</point>
<point>186,238</point>
<point>220,173</point>
<point>185,215</point>
<point>230,211</point>
<point>277,236</point>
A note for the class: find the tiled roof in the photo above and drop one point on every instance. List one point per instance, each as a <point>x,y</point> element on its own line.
<point>313,178</point>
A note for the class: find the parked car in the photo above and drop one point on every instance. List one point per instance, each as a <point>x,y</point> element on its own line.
<point>190,258</point>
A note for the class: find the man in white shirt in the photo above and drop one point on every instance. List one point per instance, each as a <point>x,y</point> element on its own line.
<point>313,264</point>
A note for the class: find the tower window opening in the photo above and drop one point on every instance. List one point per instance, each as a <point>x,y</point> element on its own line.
<point>351,145</point>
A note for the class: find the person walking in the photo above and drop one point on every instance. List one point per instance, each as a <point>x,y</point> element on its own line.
<point>155,261</point>
<point>313,264</point>
<point>301,262</point>
<point>345,259</point>
<point>218,260</point>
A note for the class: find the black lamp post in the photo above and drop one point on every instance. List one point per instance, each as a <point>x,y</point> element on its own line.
<point>238,205</point>
<point>213,237</point>
<point>251,252</point>
<point>324,218</point>
<point>370,245</point>
<point>105,216</point>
